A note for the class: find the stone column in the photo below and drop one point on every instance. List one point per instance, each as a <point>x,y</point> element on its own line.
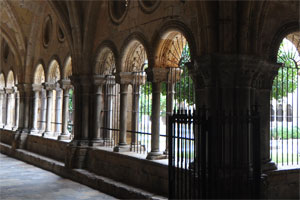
<point>77,149</point>
<point>58,111</point>
<point>1,107</point>
<point>66,85</point>
<point>110,85</point>
<point>262,99</point>
<point>156,76</point>
<point>124,78</point>
<point>82,119</point>
<point>17,107</point>
<point>36,96</point>
<point>97,139</point>
<point>138,80</point>
<point>49,89</point>
<point>43,116</point>
<point>9,92</point>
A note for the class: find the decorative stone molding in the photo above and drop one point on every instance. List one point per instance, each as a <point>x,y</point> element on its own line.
<point>99,80</point>
<point>65,84</point>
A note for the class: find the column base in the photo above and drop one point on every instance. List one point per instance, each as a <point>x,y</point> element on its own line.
<point>268,166</point>
<point>8,127</point>
<point>157,155</point>
<point>122,148</point>
<point>95,143</point>
<point>76,156</point>
<point>64,137</point>
<point>48,134</point>
<point>34,132</point>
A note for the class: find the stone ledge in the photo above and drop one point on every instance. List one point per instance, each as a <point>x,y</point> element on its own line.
<point>103,184</point>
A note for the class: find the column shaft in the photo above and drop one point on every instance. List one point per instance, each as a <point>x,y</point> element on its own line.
<point>123,119</point>
<point>155,127</point>
<point>35,111</point>
<point>97,136</point>
<point>1,109</point>
<point>65,115</point>
<point>49,111</point>
<point>58,112</point>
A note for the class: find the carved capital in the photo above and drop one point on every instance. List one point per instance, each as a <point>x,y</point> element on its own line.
<point>99,80</point>
<point>227,70</point>
<point>157,74</point>
<point>37,87</point>
<point>65,84</point>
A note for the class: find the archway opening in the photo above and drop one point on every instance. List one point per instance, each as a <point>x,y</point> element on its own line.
<point>285,103</point>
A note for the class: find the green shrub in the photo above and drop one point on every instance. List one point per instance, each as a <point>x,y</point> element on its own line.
<point>285,133</point>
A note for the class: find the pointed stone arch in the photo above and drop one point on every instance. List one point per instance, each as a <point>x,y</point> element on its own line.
<point>134,57</point>
<point>39,75</point>
<point>67,72</point>
<point>53,74</point>
<point>105,62</point>
<point>170,48</point>
<point>2,81</point>
<point>10,82</point>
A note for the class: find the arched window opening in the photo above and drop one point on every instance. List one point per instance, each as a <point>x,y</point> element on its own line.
<point>289,113</point>
<point>39,101</point>
<point>272,113</point>
<point>54,101</point>
<point>10,91</point>
<point>106,68</point>
<point>284,132</point>
<point>178,90</point>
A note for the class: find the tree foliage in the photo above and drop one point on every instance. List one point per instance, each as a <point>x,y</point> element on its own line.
<point>184,87</point>
<point>286,81</point>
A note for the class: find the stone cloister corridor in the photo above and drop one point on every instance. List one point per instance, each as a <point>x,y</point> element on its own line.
<point>150,99</point>
<point>35,183</point>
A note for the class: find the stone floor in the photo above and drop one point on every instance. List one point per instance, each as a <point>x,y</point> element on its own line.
<point>21,181</point>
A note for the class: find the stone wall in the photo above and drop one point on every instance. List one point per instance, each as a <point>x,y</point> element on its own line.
<point>47,147</point>
<point>6,136</point>
<point>282,184</point>
<point>149,175</point>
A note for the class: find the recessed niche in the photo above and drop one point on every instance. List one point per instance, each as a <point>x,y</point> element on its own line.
<point>118,10</point>
<point>47,31</point>
<point>148,6</point>
<point>60,34</point>
<point>5,51</point>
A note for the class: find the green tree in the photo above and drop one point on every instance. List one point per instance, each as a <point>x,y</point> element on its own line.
<point>184,87</point>
<point>286,81</point>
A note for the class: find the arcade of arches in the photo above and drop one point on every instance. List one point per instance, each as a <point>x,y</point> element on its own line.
<point>86,88</point>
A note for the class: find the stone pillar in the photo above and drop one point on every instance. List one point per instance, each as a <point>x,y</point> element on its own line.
<point>228,81</point>
<point>1,107</point>
<point>66,85</point>
<point>156,76</point>
<point>77,149</point>
<point>124,78</point>
<point>82,119</point>
<point>138,80</point>
<point>97,138</point>
<point>49,89</point>
<point>21,133</point>
<point>262,99</point>
<point>110,85</point>
<point>43,116</point>
<point>17,107</point>
<point>58,111</point>
<point>9,92</point>
<point>36,96</point>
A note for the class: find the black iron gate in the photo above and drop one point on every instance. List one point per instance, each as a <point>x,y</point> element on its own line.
<point>214,157</point>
